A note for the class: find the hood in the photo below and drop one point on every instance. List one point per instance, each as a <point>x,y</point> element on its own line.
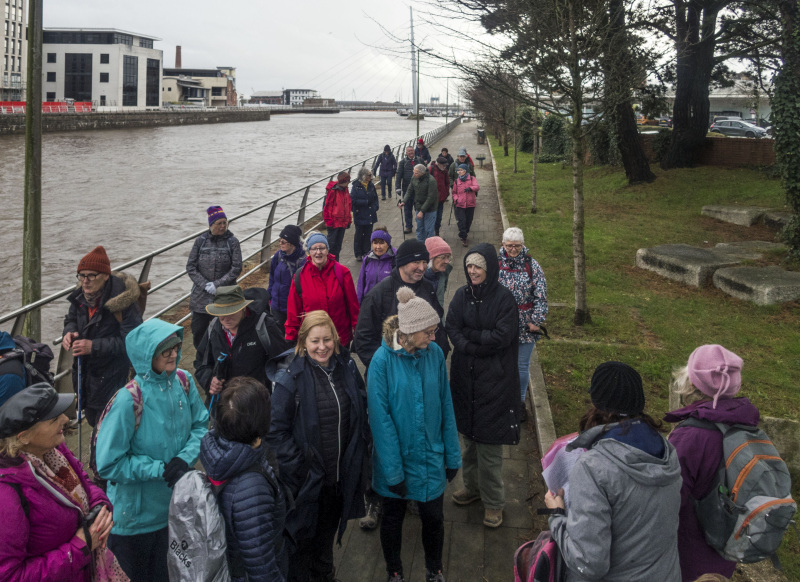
<point>389,340</point>
<point>298,254</point>
<point>223,459</point>
<point>492,269</point>
<point>6,341</point>
<point>217,237</point>
<point>729,411</point>
<point>128,296</point>
<point>639,465</point>
<point>280,364</point>
<point>142,341</point>
<point>387,256</point>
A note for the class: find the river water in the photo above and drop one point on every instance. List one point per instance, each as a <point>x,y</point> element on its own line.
<point>136,190</point>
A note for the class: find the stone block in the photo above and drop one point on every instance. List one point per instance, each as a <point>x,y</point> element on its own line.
<point>742,215</point>
<point>761,285</point>
<point>785,435</point>
<point>751,250</point>
<point>777,220</point>
<point>684,263</point>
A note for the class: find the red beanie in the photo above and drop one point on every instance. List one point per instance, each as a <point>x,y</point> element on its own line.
<point>97,260</point>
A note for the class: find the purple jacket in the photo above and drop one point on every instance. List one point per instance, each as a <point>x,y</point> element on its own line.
<point>373,271</point>
<point>700,453</point>
<point>42,546</point>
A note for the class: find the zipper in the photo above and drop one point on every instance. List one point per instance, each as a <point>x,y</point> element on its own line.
<point>339,424</point>
<point>757,510</point>
<point>738,450</point>
<point>746,471</point>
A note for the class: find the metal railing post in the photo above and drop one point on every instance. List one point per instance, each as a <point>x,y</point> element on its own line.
<point>301,218</point>
<point>19,323</point>
<point>145,274</point>
<point>265,240</point>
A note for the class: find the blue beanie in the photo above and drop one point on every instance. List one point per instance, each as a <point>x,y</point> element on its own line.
<point>464,167</point>
<point>315,238</point>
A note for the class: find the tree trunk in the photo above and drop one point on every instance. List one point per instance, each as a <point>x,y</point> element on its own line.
<point>516,139</point>
<point>695,61</point>
<point>535,160</point>
<point>505,141</point>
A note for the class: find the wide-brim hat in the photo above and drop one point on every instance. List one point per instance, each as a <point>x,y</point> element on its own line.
<point>32,405</point>
<point>228,300</point>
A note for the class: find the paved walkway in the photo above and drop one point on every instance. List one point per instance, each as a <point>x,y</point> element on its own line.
<point>472,552</point>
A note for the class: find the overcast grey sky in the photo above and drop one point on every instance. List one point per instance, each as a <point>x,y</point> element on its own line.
<point>335,47</point>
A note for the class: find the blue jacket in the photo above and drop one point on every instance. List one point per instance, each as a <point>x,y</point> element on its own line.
<point>387,164</point>
<point>365,203</point>
<point>254,510</point>
<point>281,272</point>
<point>423,154</point>
<point>12,380</point>
<point>412,421</point>
<point>172,425</point>
<point>295,437</point>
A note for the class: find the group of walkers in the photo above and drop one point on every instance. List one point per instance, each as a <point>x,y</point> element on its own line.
<point>298,442</point>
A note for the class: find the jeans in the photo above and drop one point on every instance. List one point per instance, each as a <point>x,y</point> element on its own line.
<point>425,225</point>
<point>361,242</point>
<point>439,211</point>
<point>524,365</point>
<point>408,214</point>
<point>482,467</point>
<point>143,557</point>
<point>431,513</point>
<point>199,326</point>
<point>464,220</point>
<point>313,560</point>
<point>335,240</point>
<point>386,184</point>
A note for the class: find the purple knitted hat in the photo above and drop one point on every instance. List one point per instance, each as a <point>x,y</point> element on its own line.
<point>715,371</point>
<point>214,214</point>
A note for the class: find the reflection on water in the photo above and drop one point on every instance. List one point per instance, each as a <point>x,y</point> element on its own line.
<point>135,190</point>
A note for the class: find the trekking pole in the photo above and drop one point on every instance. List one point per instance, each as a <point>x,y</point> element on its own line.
<point>452,203</point>
<point>402,222</point>
<point>80,405</point>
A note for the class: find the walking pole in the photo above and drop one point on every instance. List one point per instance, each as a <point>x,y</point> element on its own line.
<point>452,203</point>
<point>402,222</point>
<point>80,405</point>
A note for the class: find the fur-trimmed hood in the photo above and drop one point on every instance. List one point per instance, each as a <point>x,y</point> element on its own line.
<point>390,328</point>
<point>121,294</point>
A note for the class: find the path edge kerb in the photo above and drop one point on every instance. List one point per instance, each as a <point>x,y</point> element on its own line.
<point>538,404</point>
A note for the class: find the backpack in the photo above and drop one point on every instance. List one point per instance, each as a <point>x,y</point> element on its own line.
<point>337,271</point>
<point>34,357</point>
<point>750,507</point>
<point>539,560</point>
<point>136,395</point>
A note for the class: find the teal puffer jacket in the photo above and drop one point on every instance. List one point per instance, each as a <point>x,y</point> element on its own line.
<point>172,425</point>
<point>412,421</point>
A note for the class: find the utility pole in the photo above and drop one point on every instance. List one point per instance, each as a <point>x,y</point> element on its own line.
<point>414,92</point>
<point>416,98</point>
<point>32,210</point>
<point>446,100</point>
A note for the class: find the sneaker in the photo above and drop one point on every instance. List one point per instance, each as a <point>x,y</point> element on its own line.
<point>358,259</point>
<point>407,231</point>
<point>463,242</point>
<point>384,197</point>
<point>465,497</point>
<point>436,576</point>
<point>394,577</point>
<point>370,521</point>
<point>493,517</point>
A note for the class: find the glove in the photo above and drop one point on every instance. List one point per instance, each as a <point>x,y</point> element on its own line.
<point>400,489</point>
<point>174,470</point>
<point>211,288</point>
<point>450,474</point>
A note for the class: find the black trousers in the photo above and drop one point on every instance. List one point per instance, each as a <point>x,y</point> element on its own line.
<point>200,321</point>
<point>313,560</point>
<point>432,515</point>
<point>335,240</point>
<point>280,316</point>
<point>361,242</point>
<point>464,220</point>
<point>143,557</point>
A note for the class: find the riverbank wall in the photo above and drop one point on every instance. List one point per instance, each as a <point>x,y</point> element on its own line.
<point>14,124</point>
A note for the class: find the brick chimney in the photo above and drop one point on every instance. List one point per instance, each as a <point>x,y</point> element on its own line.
<point>178,57</point>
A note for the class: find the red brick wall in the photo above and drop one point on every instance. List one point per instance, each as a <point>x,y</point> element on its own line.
<point>726,151</point>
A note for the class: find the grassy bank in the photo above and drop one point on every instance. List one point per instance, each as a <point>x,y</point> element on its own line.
<point>638,317</point>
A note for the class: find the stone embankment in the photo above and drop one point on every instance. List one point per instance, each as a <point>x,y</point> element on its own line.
<point>51,122</point>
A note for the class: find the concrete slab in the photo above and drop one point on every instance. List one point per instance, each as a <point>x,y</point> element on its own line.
<point>748,250</point>
<point>742,215</point>
<point>684,263</point>
<point>777,220</point>
<point>785,435</point>
<point>761,285</point>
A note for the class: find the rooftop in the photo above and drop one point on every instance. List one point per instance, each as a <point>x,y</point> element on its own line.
<point>100,30</point>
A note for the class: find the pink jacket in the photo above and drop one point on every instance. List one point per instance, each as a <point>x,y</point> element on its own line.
<point>42,546</point>
<point>461,197</point>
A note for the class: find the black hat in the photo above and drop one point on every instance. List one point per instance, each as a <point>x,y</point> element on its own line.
<point>441,160</point>
<point>616,387</point>
<point>410,251</point>
<point>292,234</point>
<point>387,148</point>
<point>31,405</point>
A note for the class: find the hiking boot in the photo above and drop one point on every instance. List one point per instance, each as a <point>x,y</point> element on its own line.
<point>406,231</point>
<point>523,412</point>
<point>436,576</point>
<point>384,197</point>
<point>395,577</point>
<point>463,242</point>
<point>493,517</point>
<point>370,521</point>
<point>465,497</point>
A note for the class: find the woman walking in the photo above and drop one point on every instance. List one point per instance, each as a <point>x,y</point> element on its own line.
<point>378,264</point>
<point>416,450</point>
<point>439,267</point>
<point>336,211</point>
<point>282,268</point>
<point>364,198</point>
<point>465,192</point>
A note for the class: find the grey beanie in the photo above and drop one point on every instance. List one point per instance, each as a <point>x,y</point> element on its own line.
<point>414,314</point>
<point>420,168</point>
<point>462,152</point>
<point>476,259</point>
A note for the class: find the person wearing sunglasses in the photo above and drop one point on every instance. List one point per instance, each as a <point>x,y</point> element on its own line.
<point>143,454</point>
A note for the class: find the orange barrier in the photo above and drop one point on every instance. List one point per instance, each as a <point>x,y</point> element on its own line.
<point>47,107</point>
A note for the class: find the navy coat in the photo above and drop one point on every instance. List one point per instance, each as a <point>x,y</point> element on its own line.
<point>387,164</point>
<point>281,272</point>
<point>365,203</point>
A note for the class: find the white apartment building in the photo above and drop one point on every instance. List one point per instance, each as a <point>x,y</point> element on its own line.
<point>295,97</point>
<point>13,66</point>
<point>106,66</point>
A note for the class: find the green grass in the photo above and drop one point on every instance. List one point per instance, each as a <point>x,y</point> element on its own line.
<point>638,317</point>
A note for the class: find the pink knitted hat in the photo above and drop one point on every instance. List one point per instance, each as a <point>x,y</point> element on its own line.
<point>437,246</point>
<point>715,371</point>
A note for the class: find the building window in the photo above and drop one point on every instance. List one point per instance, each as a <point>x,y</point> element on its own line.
<point>152,98</point>
<point>103,58</point>
<point>51,77</point>
<point>51,96</point>
<point>217,91</point>
<point>123,39</point>
<point>104,77</point>
<point>102,99</point>
<point>130,81</point>
<point>145,43</point>
<point>51,57</point>
<point>78,76</point>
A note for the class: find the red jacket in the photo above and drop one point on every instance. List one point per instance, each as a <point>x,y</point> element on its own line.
<point>337,206</point>
<point>442,181</point>
<point>322,290</point>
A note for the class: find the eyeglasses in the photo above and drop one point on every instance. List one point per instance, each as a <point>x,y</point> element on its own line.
<point>512,247</point>
<point>430,333</point>
<point>318,250</point>
<point>176,348</point>
<point>87,277</point>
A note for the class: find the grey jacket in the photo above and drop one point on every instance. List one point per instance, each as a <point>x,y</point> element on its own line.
<point>622,520</point>
<point>215,259</point>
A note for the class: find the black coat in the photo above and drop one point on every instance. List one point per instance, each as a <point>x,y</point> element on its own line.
<point>246,356</point>
<point>380,303</point>
<point>295,437</point>
<point>484,381</point>
<point>405,171</point>
<point>106,369</point>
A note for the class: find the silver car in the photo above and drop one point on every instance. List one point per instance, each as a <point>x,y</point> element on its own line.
<point>737,128</point>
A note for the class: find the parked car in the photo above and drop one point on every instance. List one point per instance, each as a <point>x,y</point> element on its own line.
<point>737,128</point>
<point>664,121</point>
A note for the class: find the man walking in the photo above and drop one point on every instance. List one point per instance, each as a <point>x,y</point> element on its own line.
<point>439,171</point>
<point>387,164</point>
<point>463,158</point>
<point>405,172</point>
<point>423,193</point>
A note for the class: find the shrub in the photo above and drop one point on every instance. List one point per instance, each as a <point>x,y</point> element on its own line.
<point>661,143</point>
<point>555,138</point>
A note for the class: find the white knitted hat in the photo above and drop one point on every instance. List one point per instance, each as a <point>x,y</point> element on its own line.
<point>414,314</point>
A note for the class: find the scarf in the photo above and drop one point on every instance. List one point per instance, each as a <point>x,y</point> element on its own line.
<point>464,177</point>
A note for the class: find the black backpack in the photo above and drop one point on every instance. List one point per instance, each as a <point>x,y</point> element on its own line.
<point>34,357</point>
